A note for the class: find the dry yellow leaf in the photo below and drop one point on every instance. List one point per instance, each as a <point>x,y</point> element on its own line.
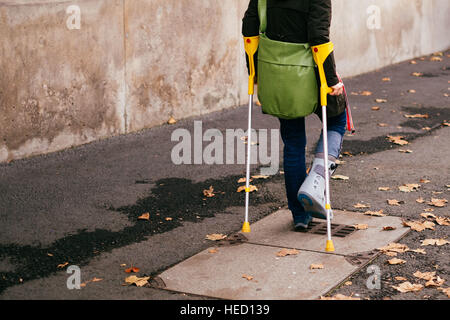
<point>340,177</point>
<point>417,74</point>
<point>413,62</point>
<point>139,282</point>
<point>394,202</point>
<point>378,213</point>
<point>260,177</point>
<point>144,216</point>
<point>400,279</point>
<point>209,193</point>
<point>339,297</point>
<point>395,261</point>
<point>348,283</point>
<point>380,100</point>
<point>418,225</point>
<point>405,150</point>
<point>171,120</point>
<point>394,247</point>
<point>436,59</point>
<point>384,188</point>
<point>445,291</point>
<point>215,236</point>
<point>389,228</point>
<point>316,266</point>
<point>361,226</point>
<point>169,219</point>
<point>437,202</point>
<point>398,140</point>
<point>251,188</point>
<point>375,108</point>
<point>249,278</point>
<point>383,125</point>
<point>422,251</point>
<point>436,282</point>
<point>214,250</point>
<point>412,91</point>
<point>443,221</point>
<point>287,252</point>
<point>425,116</point>
<point>424,275</point>
<point>361,206</point>
<point>408,287</point>
<point>434,242</point>
<point>409,187</point>
<point>420,200</point>
<point>387,79</point>
<point>62,265</point>
<point>365,93</point>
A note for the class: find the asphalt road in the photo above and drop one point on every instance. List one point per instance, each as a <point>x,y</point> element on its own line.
<point>81,206</point>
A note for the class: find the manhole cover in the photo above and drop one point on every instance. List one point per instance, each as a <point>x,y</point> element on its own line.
<point>337,230</point>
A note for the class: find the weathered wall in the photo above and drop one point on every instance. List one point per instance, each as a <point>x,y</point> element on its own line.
<point>131,64</point>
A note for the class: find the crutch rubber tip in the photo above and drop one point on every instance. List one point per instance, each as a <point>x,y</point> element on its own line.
<point>330,246</point>
<point>246,227</point>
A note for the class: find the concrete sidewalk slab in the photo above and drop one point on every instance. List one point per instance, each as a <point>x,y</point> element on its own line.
<point>220,274</point>
<point>277,230</point>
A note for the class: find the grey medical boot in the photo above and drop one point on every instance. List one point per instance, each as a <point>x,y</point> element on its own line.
<point>312,191</point>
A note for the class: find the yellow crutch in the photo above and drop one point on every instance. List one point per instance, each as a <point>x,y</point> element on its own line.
<point>320,54</point>
<point>251,46</point>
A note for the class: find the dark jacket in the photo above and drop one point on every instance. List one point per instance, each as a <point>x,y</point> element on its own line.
<point>296,21</point>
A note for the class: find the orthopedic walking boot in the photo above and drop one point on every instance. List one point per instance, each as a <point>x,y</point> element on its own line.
<point>312,191</point>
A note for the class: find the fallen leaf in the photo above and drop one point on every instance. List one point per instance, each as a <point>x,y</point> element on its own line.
<point>348,283</point>
<point>62,265</point>
<point>425,116</point>
<point>171,120</point>
<point>346,153</point>
<point>436,59</point>
<point>398,140</point>
<point>365,93</point>
<point>123,265</point>
<point>395,261</point>
<point>251,188</point>
<point>260,177</point>
<point>132,270</point>
<point>428,210</point>
<point>437,202</point>
<point>394,202</point>
<point>422,251</point>
<point>316,266</point>
<point>361,206</point>
<point>382,125</point>
<point>375,108</point>
<point>249,278</point>
<point>409,187</point>
<point>380,100</point>
<point>50,255</point>
<point>390,253</point>
<point>413,62</point>
<point>445,291</point>
<point>417,74</point>
<point>428,215</point>
<point>408,287</point>
<point>412,91</point>
<point>387,79</point>
<point>418,225</point>
<point>213,251</point>
<point>443,221</point>
<point>389,228</point>
<point>447,124</point>
<point>361,226</point>
<point>394,247</point>
<point>384,188</point>
<point>434,242</point>
<point>215,236</point>
<point>339,297</point>
<point>436,282</point>
<point>144,216</point>
<point>342,162</point>
<point>420,200</point>
<point>209,193</point>
<point>139,282</point>
<point>378,213</point>
<point>405,151</point>
<point>400,279</point>
<point>169,219</point>
<point>287,252</point>
<point>340,177</point>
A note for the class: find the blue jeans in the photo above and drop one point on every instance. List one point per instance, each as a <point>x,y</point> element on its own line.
<point>293,134</point>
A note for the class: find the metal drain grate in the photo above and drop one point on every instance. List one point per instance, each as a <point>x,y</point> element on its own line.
<point>337,230</point>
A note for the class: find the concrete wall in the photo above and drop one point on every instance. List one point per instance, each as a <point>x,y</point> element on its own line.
<point>118,66</point>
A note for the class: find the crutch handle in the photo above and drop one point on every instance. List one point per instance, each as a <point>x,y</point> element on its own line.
<point>320,54</point>
<point>251,46</point>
